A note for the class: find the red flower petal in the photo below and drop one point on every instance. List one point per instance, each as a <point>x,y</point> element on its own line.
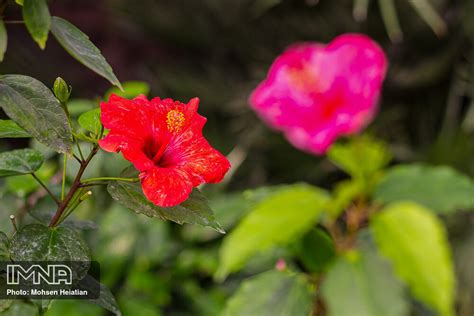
<point>166,187</point>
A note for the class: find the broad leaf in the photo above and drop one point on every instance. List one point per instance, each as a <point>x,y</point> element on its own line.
<point>316,250</point>
<point>363,284</point>
<point>415,241</point>
<point>10,129</point>
<point>441,189</point>
<point>272,293</point>
<point>277,220</point>
<point>107,300</point>
<point>131,89</point>
<point>360,157</point>
<point>19,308</point>
<point>33,106</point>
<point>195,210</point>
<point>20,161</point>
<point>4,244</point>
<point>38,20</point>
<point>90,121</point>
<point>3,40</point>
<point>78,45</point>
<point>37,242</point>
<point>5,304</point>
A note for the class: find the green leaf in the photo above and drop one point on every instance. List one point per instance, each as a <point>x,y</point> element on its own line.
<point>415,241</point>
<point>195,210</point>
<point>90,121</point>
<point>278,219</point>
<point>38,20</point>
<point>19,308</point>
<point>20,2</point>
<point>5,304</point>
<point>3,40</point>
<point>363,284</point>
<point>10,129</point>
<point>131,89</point>
<point>316,250</point>
<point>25,184</point>
<point>33,106</point>
<point>20,161</point>
<point>4,244</point>
<point>272,293</point>
<point>107,300</point>
<point>360,157</point>
<point>441,189</point>
<point>37,242</point>
<point>343,195</point>
<point>78,45</point>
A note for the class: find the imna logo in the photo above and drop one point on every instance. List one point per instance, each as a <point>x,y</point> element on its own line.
<point>52,274</point>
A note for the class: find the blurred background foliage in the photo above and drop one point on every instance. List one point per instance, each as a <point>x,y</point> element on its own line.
<point>219,50</point>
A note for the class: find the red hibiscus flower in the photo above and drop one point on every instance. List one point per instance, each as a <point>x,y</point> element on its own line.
<point>163,139</point>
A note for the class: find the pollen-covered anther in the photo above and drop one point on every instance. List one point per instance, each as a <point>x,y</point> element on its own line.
<point>175,120</point>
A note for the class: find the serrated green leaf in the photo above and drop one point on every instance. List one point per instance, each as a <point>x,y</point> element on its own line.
<point>78,45</point>
<point>361,283</point>
<point>415,241</point>
<point>195,210</point>
<point>90,121</point>
<point>360,157</point>
<point>278,219</point>
<point>10,129</point>
<point>441,189</point>
<point>131,89</point>
<point>4,245</point>
<point>316,250</point>
<point>3,40</point>
<point>20,161</point>
<point>37,242</point>
<point>33,106</point>
<point>37,19</point>
<point>272,293</point>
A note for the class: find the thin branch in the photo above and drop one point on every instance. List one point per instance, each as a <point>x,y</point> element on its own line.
<point>46,188</point>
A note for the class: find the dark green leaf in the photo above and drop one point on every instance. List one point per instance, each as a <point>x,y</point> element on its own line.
<point>363,284</point>
<point>3,40</point>
<point>5,304</point>
<point>195,210</point>
<point>10,129</point>
<point>37,242</point>
<point>19,308</point>
<point>131,89</point>
<point>316,250</point>
<point>90,121</point>
<point>272,293</point>
<point>33,106</point>
<point>278,219</point>
<point>441,189</point>
<point>106,300</point>
<point>20,161</point>
<point>4,245</point>
<point>415,241</point>
<point>37,20</point>
<point>78,45</point>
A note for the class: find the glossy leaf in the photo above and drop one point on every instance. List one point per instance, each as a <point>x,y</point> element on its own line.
<point>363,284</point>
<point>272,293</point>
<point>416,243</point>
<point>33,107</point>
<point>38,20</point>
<point>441,189</point>
<point>20,161</point>
<point>3,40</point>
<point>195,210</point>
<point>316,250</point>
<point>278,219</point>
<point>37,242</point>
<point>10,129</point>
<point>78,45</point>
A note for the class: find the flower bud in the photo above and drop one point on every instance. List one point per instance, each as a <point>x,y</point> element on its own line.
<point>61,90</point>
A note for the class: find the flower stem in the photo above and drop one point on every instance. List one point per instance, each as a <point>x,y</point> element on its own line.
<point>63,182</point>
<point>74,187</point>
<point>111,179</point>
<point>45,187</point>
